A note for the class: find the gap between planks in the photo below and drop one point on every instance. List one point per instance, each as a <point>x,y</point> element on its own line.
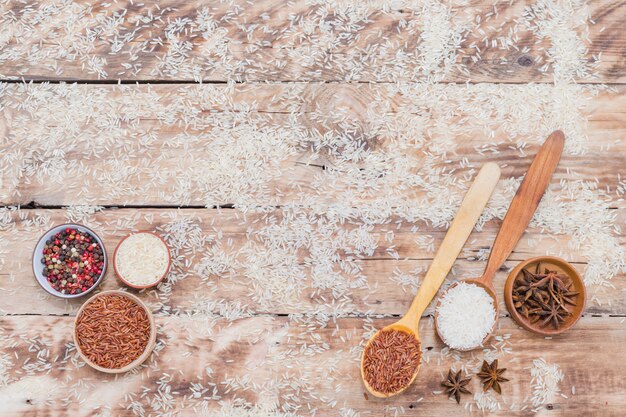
<point>85,81</point>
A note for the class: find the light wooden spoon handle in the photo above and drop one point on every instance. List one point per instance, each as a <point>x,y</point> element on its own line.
<point>524,203</point>
<point>470,210</point>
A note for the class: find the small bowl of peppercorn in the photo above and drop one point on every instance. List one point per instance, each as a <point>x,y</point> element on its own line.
<point>69,261</point>
<point>545,295</point>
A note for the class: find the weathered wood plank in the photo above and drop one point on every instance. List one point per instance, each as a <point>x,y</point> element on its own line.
<point>172,145</point>
<point>215,41</point>
<point>309,366</point>
<point>382,281</point>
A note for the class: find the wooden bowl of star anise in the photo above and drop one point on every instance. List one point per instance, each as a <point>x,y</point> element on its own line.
<point>545,295</point>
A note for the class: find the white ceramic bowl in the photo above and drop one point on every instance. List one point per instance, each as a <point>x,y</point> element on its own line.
<point>38,266</point>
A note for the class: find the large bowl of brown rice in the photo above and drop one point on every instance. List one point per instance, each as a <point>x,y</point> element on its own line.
<point>114,332</point>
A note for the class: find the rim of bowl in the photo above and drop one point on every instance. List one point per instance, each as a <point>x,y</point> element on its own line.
<point>566,268</point>
<point>135,286</point>
<point>95,284</point>
<point>144,355</point>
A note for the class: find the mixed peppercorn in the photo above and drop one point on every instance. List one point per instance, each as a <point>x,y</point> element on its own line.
<point>73,261</point>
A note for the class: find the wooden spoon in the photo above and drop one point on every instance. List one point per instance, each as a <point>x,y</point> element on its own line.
<point>472,206</point>
<point>516,220</point>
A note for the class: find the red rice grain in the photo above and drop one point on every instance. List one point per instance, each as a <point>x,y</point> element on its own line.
<point>112,331</point>
<point>390,360</point>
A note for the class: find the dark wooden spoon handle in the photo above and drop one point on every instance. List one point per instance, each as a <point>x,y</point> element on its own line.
<point>525,203</point>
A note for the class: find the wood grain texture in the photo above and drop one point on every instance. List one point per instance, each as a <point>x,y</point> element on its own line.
<point>410,254</point>
<point>293,89</point>
<point>301,41</point>
<point>269,347</point>
<point>154,128</point>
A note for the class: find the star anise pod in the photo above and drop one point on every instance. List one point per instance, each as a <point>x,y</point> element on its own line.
<point>555,314</point>
<point>566,295</point>
<point>492,376</point>
<point>551,280</point>
<point>455,385</point>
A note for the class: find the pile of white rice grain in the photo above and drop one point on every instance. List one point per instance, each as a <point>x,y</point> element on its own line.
<point>142,259</point>
<point>465,316</point>
<point>545,379</point>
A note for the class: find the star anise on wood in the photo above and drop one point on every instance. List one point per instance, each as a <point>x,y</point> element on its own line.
<point>492,376</point>
<point>543,297</point>
<point>455,385</point>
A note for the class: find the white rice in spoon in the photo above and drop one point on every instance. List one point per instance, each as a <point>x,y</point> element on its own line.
<point>465,316</point>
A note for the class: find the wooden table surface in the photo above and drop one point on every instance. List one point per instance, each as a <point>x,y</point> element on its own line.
<point>304,186</point>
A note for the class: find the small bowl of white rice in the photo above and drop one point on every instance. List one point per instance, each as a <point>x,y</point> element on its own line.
<point>142,260</point>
